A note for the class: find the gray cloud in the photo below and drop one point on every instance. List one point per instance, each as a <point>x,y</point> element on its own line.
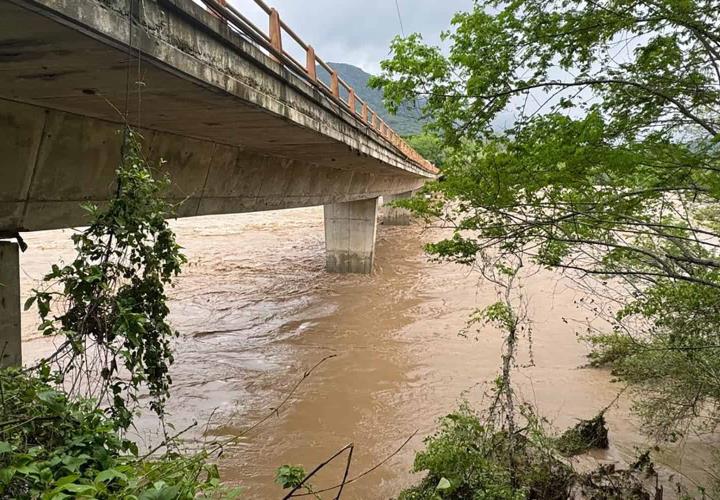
<point>357,32</point>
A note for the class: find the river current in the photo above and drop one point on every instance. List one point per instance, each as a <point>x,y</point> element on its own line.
<point>255,310</point>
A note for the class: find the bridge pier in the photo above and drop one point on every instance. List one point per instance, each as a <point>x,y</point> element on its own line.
<point>10,333</point>
<point>350,230</point>
<point>394,216</point>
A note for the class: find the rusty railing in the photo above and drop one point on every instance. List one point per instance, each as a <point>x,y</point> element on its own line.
<point>338,89</point>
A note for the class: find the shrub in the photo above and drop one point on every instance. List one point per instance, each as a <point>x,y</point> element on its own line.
<point>471,458</point>
<point>52,447</point>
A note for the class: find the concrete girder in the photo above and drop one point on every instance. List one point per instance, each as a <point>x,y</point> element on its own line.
<point>198,79</point>
<point>55,161</point>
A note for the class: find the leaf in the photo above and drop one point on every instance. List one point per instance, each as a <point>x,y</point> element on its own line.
<point>443,484</point>
<point>109,475</point>
<point>66,480</point>
<point>28,470</point>
<point>53,399</point>
<point>43,302</point>
<point>49,396</point>
<point>5,447</point>
<point>29,302</point>
<point>6,474</point>
<point>160,491</point>
<point>132,447</point>
<point>80,489</point>
<point>74,463</point>
<point>56,495</point>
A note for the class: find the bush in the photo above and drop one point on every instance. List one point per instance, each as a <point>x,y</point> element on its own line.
<point>52,447</point>
<point>469,458</point>
<point>472,458</point>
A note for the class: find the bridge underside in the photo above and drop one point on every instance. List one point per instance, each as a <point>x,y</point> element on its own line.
<point>235,136</point>
<point>54,161</point>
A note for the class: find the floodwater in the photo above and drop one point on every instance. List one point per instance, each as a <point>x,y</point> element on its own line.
<point>255,310</point>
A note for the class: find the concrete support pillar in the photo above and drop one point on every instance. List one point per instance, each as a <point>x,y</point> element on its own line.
<point>393,216</point>
<point>350,230</point>
<point>10,342</point>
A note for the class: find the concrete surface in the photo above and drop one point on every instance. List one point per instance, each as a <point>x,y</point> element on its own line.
<point>10,339</point>
<point>238,131</point>
<point>395,216</point>
<point>350,230</point>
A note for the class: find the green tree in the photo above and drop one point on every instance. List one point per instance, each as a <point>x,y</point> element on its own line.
<point>430,146</point>
<point>609,173</point>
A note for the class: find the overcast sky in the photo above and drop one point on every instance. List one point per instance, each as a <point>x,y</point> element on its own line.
<point>357,31</point>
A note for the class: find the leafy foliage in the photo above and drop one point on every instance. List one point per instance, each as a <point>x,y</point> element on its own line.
<point>289,476</point>
<point>63,421</point>
<point>430,146</point>
<point>609,171</point>
<point>53,447</point>
<point>112,299</point>
<point>293,477</point>
<point>467,459</point>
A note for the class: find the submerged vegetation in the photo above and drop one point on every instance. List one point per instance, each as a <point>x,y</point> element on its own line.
<point>468,459</point>
<point>585,435</point>
<point>506,451</point>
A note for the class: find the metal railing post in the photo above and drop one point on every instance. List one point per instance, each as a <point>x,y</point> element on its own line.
<point>275,31</point>
<point>351,101</point>
<point>335,84</point>
<point>310,64</point>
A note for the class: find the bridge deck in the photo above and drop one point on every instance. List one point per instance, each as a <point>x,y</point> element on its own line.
<point>240,131</point>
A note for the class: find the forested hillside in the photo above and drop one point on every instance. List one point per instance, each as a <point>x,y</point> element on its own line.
<point>407,121</point>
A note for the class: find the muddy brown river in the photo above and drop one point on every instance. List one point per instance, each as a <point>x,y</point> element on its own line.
<point>255,309</point>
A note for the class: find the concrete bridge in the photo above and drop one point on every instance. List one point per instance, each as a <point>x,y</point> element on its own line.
<point>241,122</point>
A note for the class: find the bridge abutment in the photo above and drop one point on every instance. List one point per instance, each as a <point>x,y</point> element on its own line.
<point>394,216</point>
<point>350,230</point>
<point>10,333</point>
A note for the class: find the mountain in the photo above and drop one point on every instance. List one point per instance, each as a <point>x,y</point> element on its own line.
<point>406,122</point>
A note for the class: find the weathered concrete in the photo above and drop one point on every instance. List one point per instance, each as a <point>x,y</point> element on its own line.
<point>54,161</point>
<point>10,334</point>
<point>239,132</point>
<point>395,216</point>
<point>350,230</point>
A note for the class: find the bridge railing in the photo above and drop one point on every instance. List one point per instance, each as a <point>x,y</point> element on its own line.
<point>272,41</point>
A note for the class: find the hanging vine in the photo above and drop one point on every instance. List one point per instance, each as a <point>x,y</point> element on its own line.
<point>110,301</point>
